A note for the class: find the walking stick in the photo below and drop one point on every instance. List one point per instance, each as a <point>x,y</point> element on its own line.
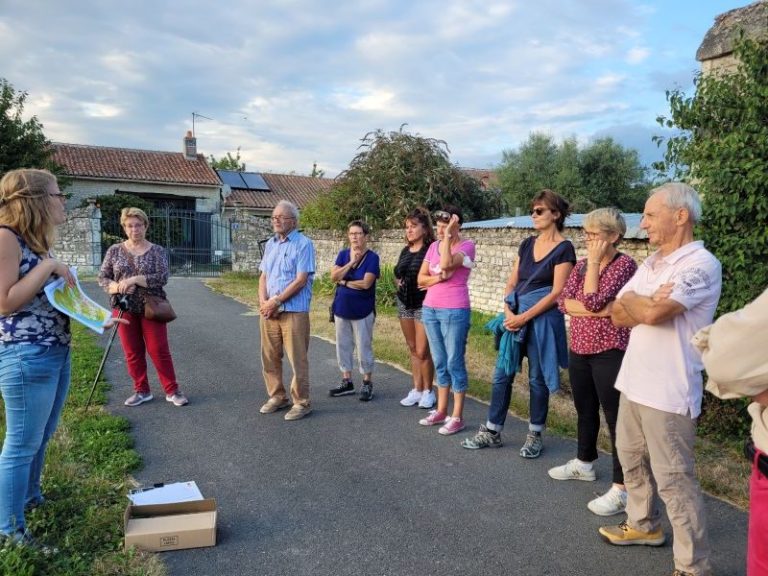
<point>122,304</point>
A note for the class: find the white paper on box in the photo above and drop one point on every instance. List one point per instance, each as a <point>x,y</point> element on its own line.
<point>166,494</point>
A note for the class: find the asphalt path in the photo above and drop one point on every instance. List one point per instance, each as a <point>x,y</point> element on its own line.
<point>360,488</point>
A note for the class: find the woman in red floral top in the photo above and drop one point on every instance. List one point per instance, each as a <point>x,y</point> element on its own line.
<point>596,350</point>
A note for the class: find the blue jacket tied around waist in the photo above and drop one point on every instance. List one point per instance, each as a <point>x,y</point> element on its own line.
<point>548,336</point>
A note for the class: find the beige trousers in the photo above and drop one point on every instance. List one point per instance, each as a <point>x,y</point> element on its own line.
<point>656,453</point>
<point>287,334</point>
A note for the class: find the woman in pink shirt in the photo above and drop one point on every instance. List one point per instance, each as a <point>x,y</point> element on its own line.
<point>444,274</point>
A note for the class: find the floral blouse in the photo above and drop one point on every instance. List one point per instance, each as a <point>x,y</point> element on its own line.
<point>591,335</point>
<point>119,264</point>
<point>37,322</point>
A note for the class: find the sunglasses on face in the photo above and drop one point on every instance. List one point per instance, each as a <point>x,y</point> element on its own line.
<point>539,211</point>
<point>441,216</point>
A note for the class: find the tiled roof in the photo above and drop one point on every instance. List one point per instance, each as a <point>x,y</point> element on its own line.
<point>487,178</point>
<point>573,221</point>
<point>133,165</point>
<point>301,190</point>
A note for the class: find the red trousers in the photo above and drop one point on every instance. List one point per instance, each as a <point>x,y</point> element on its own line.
<point>757,540</point>
<point>144,336</point>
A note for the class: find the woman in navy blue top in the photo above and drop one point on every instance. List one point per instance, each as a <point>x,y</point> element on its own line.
<point>354,309</point>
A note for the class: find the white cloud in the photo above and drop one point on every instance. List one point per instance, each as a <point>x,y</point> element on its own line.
<point>100,110</point>
<point>637,55</point>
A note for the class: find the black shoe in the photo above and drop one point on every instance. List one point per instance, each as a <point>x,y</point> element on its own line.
<point>366,391</point>
<point>24,538</point>
<point>346,387</point>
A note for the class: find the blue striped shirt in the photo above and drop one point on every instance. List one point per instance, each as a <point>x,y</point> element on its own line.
<point>283,261</point>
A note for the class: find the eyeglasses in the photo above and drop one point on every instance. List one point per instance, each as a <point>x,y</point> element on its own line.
<point>281,218</point>
<point>539,211</point>
<point>592,235</point>
<point>442,216</point>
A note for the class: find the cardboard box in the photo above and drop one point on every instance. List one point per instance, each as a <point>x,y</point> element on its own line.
<point>161,527</point>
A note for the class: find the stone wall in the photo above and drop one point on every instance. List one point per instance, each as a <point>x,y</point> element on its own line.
<point>496,250</point>
<point>78,241</point>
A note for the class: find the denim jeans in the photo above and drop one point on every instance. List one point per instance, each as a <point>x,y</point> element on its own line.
<point>501,391</point>
<point>447,330</point>
<point>34,381</point>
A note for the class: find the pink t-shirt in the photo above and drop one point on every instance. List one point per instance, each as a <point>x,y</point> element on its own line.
<point>454,292</point>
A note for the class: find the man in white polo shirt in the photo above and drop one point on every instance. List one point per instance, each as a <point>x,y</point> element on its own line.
<point>672,295</point>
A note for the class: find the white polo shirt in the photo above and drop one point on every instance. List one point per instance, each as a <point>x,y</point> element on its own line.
<point>661,368</point>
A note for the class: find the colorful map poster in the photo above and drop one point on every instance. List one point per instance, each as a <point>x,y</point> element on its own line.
<point>74,302</point>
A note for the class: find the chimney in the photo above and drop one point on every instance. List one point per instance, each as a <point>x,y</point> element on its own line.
<point>190,146</point>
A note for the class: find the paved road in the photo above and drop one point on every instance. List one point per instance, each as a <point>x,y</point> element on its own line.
<point>359,488</point>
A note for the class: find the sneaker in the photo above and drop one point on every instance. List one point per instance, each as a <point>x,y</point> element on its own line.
<point>625,535</point>
<point>413,398</point>
<point>366,391</point>
<point>274,404</point>
<point>612,502</point>
<point>451,426</point>
<point>138,398</point>
<point>33,503</point>
<point>483,439</point>
<point>297,412</point>
<point>573,470</point>
<point>24,538</point>
<point>533,445</point>
<point>346,387</point>
<point>427,399</point>
<point>433,418</point>
<point>177,398</point>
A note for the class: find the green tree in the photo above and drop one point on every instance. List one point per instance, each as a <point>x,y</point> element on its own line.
<point>525,171</point>
<point>723,151</point>
<point>228,163</point>
<point>604,173</point>
<point>22,142</point>
<point>393,173</point>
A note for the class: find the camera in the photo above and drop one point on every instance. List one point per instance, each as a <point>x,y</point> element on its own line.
<point>122,302</point>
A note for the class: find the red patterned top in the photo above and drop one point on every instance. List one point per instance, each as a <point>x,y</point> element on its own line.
<point>590,335</point>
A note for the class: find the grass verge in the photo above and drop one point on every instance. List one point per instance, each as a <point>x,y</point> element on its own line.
<point>85,481</point>
<point>722,470</point>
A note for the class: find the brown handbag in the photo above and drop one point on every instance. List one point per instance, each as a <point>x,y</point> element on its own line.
<point>158,309</point>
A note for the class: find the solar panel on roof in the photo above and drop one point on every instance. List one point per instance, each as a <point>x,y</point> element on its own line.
<point>232,178</point>
<point>254,181</point>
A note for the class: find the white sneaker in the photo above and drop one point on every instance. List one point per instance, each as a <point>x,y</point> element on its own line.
<point>612,502</point>
<point>427,399</point>
<point>573,470</point>
<point>412,399</point>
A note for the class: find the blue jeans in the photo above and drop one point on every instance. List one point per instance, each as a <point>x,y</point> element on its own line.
<point>447,330</point>
<point>34,381</point>
<point>501,391</point>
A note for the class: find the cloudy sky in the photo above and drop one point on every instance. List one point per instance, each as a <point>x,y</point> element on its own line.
<point>293,82</point>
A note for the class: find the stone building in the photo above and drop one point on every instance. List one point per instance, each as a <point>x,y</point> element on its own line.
<point>181,180</point>
<point>716,50</point>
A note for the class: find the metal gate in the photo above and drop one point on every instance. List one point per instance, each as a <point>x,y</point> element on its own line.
<point>198,243</point>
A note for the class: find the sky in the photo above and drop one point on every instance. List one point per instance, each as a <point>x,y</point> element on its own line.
<point>297,82</point>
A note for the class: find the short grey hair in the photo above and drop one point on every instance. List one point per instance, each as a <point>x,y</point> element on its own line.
<point>679,195</point>
<point>292,209</point>
<point>607,220</point>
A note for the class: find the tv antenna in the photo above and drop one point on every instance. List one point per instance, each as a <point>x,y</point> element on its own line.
<point>196,115</point>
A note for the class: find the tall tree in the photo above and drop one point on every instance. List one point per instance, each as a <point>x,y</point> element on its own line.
<point>22,142</point>
<point>723,151</point>
<point>603,173</point>
<point>393,173</point>
<point>227,163</point>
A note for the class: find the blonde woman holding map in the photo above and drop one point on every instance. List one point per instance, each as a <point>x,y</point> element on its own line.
<point>34,342</point>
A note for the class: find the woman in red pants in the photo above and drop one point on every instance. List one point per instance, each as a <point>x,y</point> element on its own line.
<point>133,269</point>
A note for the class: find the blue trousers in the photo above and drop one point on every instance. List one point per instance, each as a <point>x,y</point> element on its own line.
<point>34,381</point>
